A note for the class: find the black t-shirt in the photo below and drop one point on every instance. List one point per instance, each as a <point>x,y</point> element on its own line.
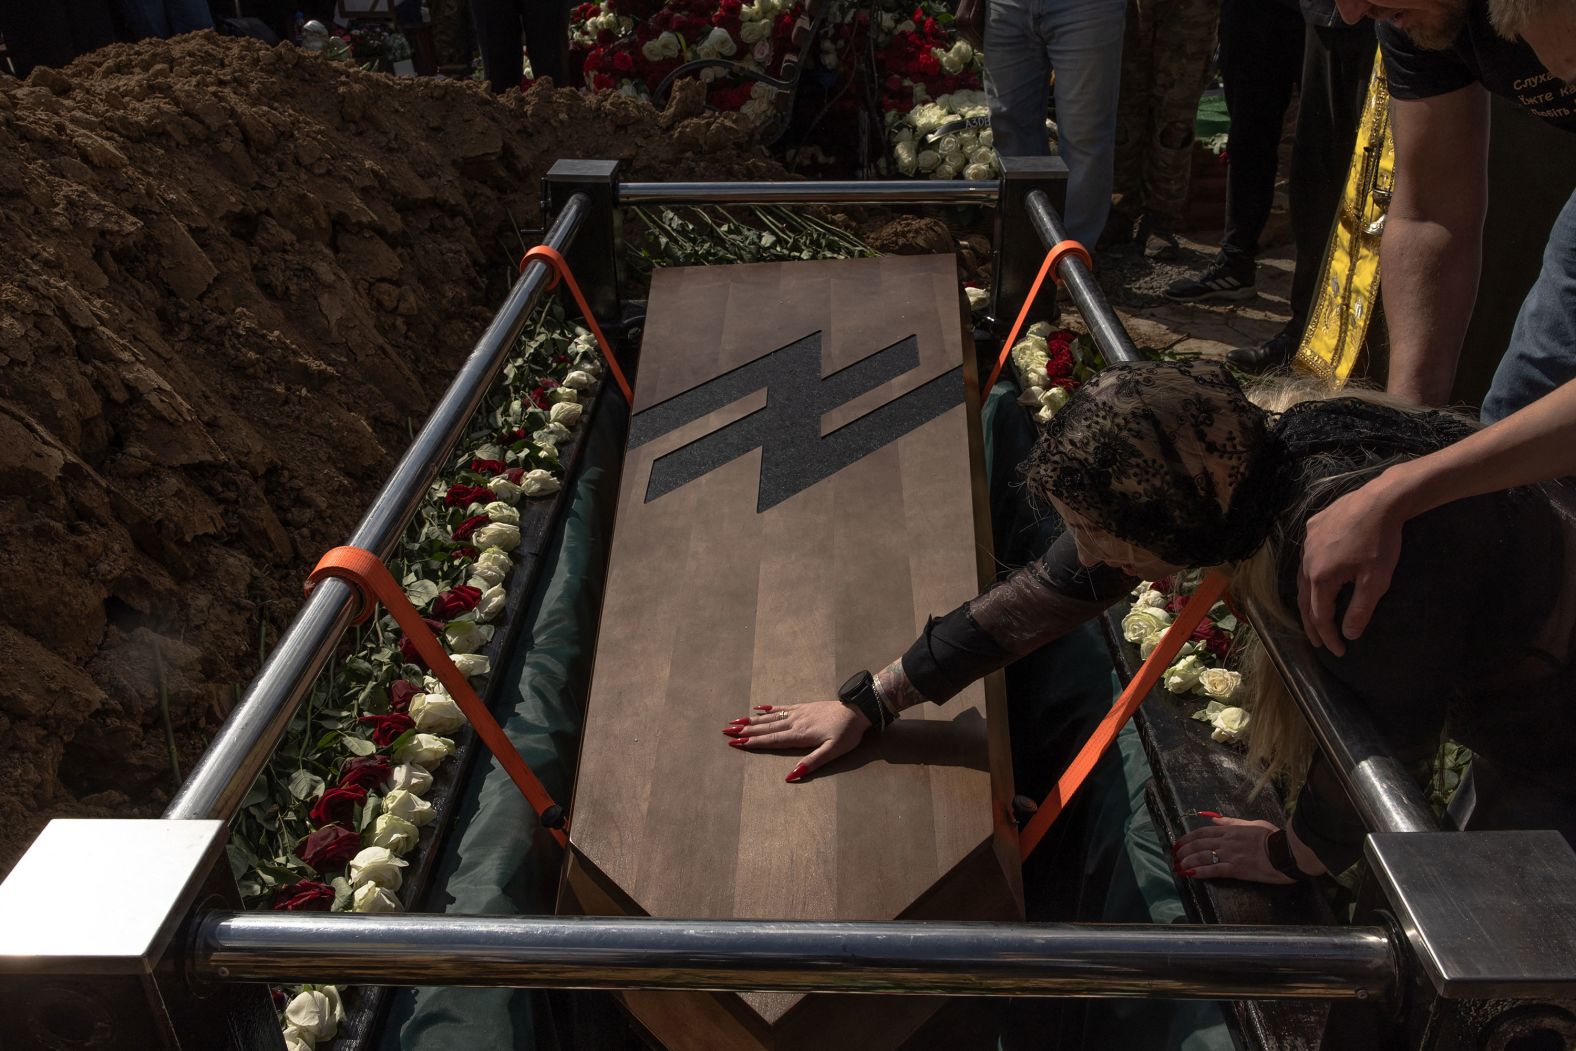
<point>1506,67</point>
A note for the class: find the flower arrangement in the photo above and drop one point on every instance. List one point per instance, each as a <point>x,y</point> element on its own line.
<point>329,824</point>
<point>949,138</point>
<point>1202,667</point>
<point>1051,365</point>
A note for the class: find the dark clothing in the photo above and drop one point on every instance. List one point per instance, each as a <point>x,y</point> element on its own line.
<point>1479,55</point>
<point>53,33</point>
<point>1337,64</point>
<point>1496,665</point>
<point>1260,61</point>
<point>498,27</point>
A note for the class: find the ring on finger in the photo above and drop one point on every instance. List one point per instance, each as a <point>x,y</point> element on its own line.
<point>1214,857</point>
<point>782,715</point>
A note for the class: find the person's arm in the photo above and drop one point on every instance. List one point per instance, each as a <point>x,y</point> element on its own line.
<point>1357,539</point>
<point>1033,605</point>
<point>1433,238</point>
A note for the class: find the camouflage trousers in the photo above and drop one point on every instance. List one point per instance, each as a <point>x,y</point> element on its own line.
<point>1167,50</point>
<point>451,31</point>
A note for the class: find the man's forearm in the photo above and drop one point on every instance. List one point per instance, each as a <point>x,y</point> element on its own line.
<point>1429,283</point>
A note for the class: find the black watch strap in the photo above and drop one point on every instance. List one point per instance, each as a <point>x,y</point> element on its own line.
<point>859,693</point>
<point>1278,846</point>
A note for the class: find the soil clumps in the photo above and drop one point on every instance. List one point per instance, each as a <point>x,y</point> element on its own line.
<point>235,279</point>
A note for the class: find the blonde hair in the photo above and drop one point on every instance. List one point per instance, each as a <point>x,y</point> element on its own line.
<point>1279,744</point>
<point>1511,17</point>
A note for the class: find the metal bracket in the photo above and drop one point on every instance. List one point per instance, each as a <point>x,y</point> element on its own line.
<point>1019,251</point>
<point>1489,915</point>
<point>597,255</point>
<point>92,920</point>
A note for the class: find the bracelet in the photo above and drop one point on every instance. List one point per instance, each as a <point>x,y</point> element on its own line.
<point>1277,845</point>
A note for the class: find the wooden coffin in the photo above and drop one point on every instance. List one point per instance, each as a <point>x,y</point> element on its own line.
<point>804,486</point>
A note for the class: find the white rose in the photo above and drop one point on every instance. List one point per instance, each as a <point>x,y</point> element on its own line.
<point>436,713</point>
<point>962,51</point>
<point>424,750</point>
<point>499,511</point>
<point>927,160</point>
<point>394,834</point>
<point>1031,396</point>
<point>1151,597</point>
<point>410,777</point>
<point>948,145</point>
<point>1054,398</point>
<point>1040,330</point>
<point>553,433</point>
<point>471,665</point>
<point>539,482</point>
<point>986,137</point>
<point>1219,683</point>
<point>558,394</point>
<point>977,172</point>
<point>579,380</point>
<point>491,568</point>
<point>1180,677</point>
<point>951,66</point>
<point>652,49</point>
<point>498,534</point>
<point>316,1012</point>
<point>1036,377</point>
<point>504,489</point>
<point>466,636</point>
<point>905,153</point>
<point>1141,623</point>
<point>369,897</point>
<point>1230,724</point>
<point>409,806</point>
<point>492,603</point>
<point>982,155</point>
<point>753,33</point>
<point>377,865</point>
<point>566,413</point>
<point>718,42</point>
<point>978,298</point>
<point>299,1040</point>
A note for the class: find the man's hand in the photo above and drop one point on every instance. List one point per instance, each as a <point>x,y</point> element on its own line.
<point>827,728</point>
<point>1356,540</point>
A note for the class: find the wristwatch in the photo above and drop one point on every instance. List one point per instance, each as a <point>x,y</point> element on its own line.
<point>1278,847</point>
<point>859,693</point>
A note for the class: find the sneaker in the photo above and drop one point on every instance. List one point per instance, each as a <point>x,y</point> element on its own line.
<point>1225,280</point>
<point>1155,240</point>
<point>1271,356</point>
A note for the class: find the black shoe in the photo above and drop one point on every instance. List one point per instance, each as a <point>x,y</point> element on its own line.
<point>1226,280</point>
<point>1155,240</point>
<point>1272,356</point>
<point>1118,232</point>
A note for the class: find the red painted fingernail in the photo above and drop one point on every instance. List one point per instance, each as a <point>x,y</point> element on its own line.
<point>795,775</point>
<point>739,742</point>
<point>763,707</point>
<point>738,722</point>
<point>1189,872</point>
<point>1207,813</point>
<point>732,731</point>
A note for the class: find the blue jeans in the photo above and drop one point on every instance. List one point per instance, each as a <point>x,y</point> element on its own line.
<point>1082,41</point>
<point>1542,351</point>
<point>167,18</point>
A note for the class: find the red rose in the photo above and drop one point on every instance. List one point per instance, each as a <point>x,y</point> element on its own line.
<point>623,63</point>
<point>306,896</point>
<point>459,599</point>
<point>466,495</point>
<point>400,694</point>
<point>387,728</point>
<point>365,771</point>
<point>407,648</point>
<point>330,848</point>
<point>489,468</point>
<point>337,805</point>
<point>515,474</point>
<point>469,526</point>
<point>463,552</point>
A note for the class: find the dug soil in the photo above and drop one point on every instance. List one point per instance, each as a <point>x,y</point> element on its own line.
<point>233,280</point>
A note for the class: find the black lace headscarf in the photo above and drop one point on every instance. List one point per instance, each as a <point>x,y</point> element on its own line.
<point>1173,458</point>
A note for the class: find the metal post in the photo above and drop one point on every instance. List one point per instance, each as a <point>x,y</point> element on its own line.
<point>894,192</point>
<point>1379,786</point>
<point>1162,960</point>
<point>1018,255</point>
<point>597,256</point>
<point>240,751</point>
<point>1104,326</point>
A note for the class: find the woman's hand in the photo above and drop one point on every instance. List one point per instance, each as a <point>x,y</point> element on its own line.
<point>1229,848</point>
<point>827,728</point>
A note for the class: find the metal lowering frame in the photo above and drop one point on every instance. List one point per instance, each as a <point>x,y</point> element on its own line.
<point>1471,940</point>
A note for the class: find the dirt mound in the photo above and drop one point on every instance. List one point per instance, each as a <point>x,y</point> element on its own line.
<point>233,279</point>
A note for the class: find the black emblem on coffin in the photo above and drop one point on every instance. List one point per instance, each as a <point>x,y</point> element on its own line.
<point>794,456</point>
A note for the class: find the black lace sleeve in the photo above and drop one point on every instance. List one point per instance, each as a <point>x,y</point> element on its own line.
<point>1028,608</point>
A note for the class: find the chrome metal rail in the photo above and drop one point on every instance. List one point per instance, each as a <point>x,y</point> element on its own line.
<point>894,192</point>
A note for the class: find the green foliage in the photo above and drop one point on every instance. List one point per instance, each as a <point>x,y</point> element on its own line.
<point>702,236</point>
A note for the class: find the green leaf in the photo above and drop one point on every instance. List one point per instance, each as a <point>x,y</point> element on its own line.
<point>305,785</point>
<point>359,745</point>
<point>402,740</point>
<point>343,893</point>
<point>370,812</point>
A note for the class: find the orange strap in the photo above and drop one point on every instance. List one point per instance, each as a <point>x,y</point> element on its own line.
<point>560,270</point>
<point>1053,260</point>
<point>1198,605</point>
<point>362,570</point>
